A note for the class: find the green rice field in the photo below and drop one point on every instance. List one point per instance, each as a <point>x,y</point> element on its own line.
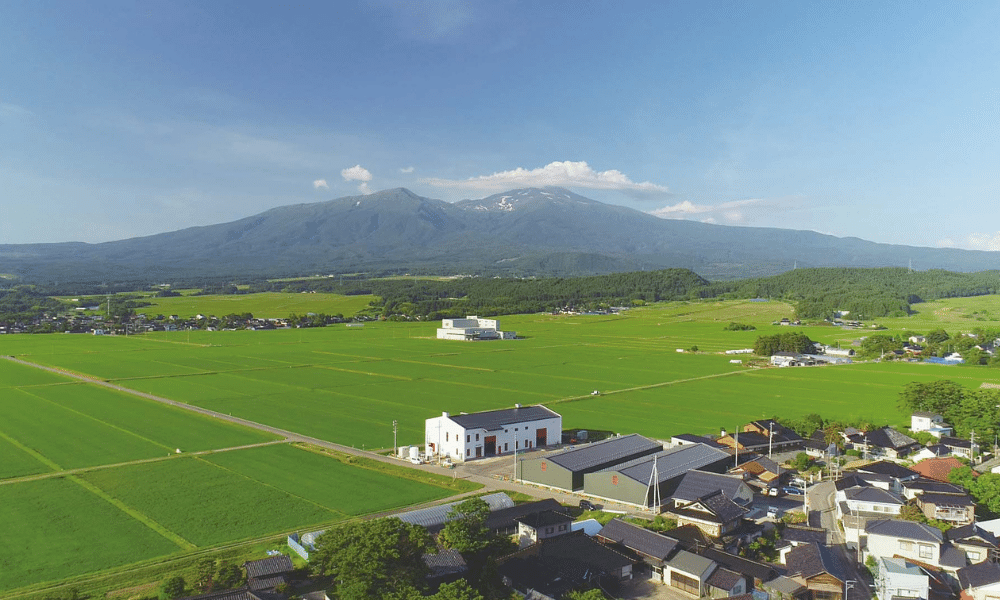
<point>264,305</point>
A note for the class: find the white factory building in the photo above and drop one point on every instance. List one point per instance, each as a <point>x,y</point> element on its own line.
<point>472,328</point>
<point>491,433</point>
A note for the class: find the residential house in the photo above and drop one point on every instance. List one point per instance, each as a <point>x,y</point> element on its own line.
<point>542,525</point>
<point>916,542</point>
<point>554,566</point>
<point>814,567</point>
<point>897,474</point>
<point>817,445</point>
<point>652,549</point>
<point>504,521</point>
<point>978,544</point>
<point>698,484</point>
<point>931,451</point>
<point>761,471</point>
<point>444,566</point>
<point>868,502</point>
<point>980,581</point>
<point>794,536</point>
<point>714,513</point>
<point>756,573</point>
<point>491,433</point>
<point>957,509</point>
<point>267,573</point>
<point>885,442</point>
<point>689,572</point>
<point>961,448</point>
<point>781,438</point>
<point>937,468</point>
<point>900,578</point>
<point>915,487</point>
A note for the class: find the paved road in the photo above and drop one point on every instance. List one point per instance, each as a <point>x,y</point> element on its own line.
<point>821,500</point>
<point>490,483</point>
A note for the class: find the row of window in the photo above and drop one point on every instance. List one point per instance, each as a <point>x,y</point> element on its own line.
<point>925,550</point>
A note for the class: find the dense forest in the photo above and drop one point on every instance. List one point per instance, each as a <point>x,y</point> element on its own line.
<point>816,293</point>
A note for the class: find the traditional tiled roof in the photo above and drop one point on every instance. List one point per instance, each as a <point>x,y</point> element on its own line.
<point>723,579</point>
<point>447,561</point>
<point>568,556</point>
<point>979,574</point>
<point>545,519</point>
<point>696,484</point>
<point>850,481</point>
<point>891,469</point>
<point>954,442</point>
<point>904,529</point>
<point>273,565</point>
<point>887,437</point>
<point>937,468</point>
<point>924,485</point>
<point>721,509</point>
<point>227,595</point>
<point>955,500</point>
<point>803,535</point>
<point>751,568</point>
<point>808,560</point>
<point>492,420</point>
<point>639,539</point>
<point>507,517</point>
<point>873,494</point>
<point>972,534</point>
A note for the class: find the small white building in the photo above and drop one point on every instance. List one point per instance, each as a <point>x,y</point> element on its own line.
<point>473,328</point>
<point>930,422</point>
<point>899,578</point>
<point>492,433</point>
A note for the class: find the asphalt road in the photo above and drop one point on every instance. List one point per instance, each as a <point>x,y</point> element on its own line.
<point>821,500</point>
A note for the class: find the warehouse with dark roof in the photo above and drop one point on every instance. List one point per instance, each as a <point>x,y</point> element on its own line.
<point>629,482</point>
<point>566,470</point>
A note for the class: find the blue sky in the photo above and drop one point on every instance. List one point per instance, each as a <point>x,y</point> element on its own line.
<point>877,120</point>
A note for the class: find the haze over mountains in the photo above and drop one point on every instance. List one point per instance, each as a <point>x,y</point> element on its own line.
<point>534,231</point>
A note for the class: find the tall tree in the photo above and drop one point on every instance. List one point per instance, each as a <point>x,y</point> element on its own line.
<point>377,559</point>
<point>466,530</point>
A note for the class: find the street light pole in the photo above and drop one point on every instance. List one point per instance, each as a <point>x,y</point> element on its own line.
<point>770,437</point>
<point>395,427</point>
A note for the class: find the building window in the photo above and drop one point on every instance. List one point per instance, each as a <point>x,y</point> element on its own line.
<point>446,436</point>
<point>505,448</point>
<point>549,529</point>
<point>821,595</point>
<point>973,556</point>
<point>904,545</point>
<point>926,551</point>
<point>468,438</point>
<point>477,437</point>
<point>562,528</point>
<point>468,452</point>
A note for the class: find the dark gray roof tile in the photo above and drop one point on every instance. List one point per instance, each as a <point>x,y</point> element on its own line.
<point>606,451</point>
<point>904,529</point>
<point>639,539</point>
<point>979,574</point>
<point>492,420</point>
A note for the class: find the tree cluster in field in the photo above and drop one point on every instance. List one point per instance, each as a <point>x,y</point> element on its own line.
<point>739,327</point>
<point>966,409</point>
<point>767,345</point>
<point>24,303</point>
<point>816,293</point>
<point>208,576</point>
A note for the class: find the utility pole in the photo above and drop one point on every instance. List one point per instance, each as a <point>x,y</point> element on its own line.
<point>395,427</point>
<point>770,437</point>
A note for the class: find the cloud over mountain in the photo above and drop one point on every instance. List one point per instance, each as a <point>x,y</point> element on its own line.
<point>564,174</point>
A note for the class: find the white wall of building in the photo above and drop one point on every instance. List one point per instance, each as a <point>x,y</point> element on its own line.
<point>882,546</point>
<point>462,444</point>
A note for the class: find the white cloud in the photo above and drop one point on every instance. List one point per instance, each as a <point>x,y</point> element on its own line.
<point>945,243</point>
<point>13,112</point>
<point>406,169</point>
<point>567,173</point>
<point>434,21</point>
<point>358,173</point>
<point>320,184</point>
<point>984,241</point>
<point>734,212</point>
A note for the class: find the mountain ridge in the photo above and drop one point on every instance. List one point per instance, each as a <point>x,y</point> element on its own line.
<point>522,232</point>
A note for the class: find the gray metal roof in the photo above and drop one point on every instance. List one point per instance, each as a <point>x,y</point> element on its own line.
<point>670,463</point>
<point>436,516</point>
<point>691,563</point>
<point>639,539</point>
<point>492,420</point>
<point>900,566</point>
<point>979,574</point>
<point>603,452</point>
<point>904,529</point>
<point>696,484</point>
<point>872,494</point>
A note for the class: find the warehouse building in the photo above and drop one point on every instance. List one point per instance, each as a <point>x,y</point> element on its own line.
<point>473,328</point>
<point>630,482</point>
<point>566,470</point>
<point>491,433</point>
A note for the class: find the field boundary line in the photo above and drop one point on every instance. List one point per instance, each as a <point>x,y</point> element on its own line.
<point>489,387</point>
<point>273,487</point>
<point>648,387</point>
<point>135,514</point>
<point>32,453</point>
<point>395,377</point>
<point>102,422</point>
<point>138,461</point>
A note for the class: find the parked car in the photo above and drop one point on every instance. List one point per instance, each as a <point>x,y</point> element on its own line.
<point>773,491</point>
<point>772,512</point>
<point>415,460</point>
<point>793,491</point>
<point>587,505</point>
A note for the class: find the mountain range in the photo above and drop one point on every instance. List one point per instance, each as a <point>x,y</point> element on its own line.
<point>534,231</point>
